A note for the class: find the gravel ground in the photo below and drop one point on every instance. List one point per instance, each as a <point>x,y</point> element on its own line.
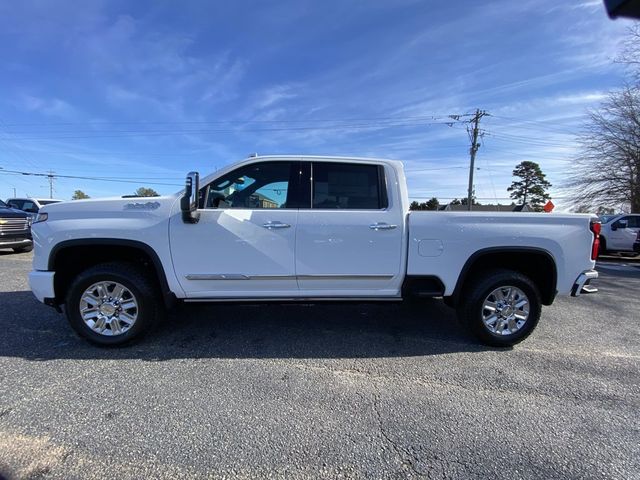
<point>324,391</point>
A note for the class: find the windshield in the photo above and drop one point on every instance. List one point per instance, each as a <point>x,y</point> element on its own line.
<point>606,218</point>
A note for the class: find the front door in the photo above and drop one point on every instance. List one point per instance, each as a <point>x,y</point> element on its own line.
<point>622,238</point>
<point>244,242</point>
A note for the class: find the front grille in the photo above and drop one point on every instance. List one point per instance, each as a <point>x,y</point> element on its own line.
<point>8,225</point>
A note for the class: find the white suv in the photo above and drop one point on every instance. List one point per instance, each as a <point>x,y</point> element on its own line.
<point>30,205</point>
<point>619,232</point>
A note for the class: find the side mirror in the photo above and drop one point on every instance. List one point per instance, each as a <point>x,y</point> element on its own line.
<point>189,201</point>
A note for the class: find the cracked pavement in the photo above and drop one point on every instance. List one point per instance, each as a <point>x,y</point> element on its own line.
<point>322,391</point>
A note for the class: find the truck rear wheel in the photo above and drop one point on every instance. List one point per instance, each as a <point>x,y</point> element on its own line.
<point>112,303</point>
<point>501,307</point>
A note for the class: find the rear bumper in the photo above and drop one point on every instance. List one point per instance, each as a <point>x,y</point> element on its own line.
<point>41,284</point>
<point>581,284</point>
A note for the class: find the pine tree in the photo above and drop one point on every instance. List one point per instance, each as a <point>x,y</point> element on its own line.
<point>79,195</point>
<point>146,192</point>
<point>531,188</point>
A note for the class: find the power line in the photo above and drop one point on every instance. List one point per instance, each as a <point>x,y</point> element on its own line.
<point>415,170</point>
<point>154,133</point>
<point>447,117</point>
<point>52,176</point>
<point>543,124</point>
<point>525,140</point>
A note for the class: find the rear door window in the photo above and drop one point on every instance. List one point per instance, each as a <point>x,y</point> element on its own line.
<point>29,206</point>
<point>349,186</point>
<point>632,222</point>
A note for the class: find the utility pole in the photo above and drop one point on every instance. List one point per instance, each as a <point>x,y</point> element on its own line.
<point>50,177</point>
<point>472,151</point>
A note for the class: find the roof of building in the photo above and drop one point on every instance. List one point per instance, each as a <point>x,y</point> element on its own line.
<point>486,208</point>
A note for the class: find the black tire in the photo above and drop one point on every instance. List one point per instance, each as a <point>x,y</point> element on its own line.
<point>470,306</point>
<point>133,278</point>
<point>23,249</point>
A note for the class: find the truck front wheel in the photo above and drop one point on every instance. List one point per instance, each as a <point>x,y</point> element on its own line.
<point>501,307</point>
<point>112,303</point>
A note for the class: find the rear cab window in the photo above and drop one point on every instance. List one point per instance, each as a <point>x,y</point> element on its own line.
<point>632,221</point>
<point>348,186</point>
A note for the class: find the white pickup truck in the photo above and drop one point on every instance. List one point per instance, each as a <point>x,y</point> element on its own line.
<point>299,228</point>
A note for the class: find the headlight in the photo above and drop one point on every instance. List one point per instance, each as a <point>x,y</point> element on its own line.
<point>41,217</point>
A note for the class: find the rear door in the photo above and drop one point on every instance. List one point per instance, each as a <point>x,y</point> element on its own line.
<point>349,239</point>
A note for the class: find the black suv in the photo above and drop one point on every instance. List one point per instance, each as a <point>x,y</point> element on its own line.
<point>15,229</point>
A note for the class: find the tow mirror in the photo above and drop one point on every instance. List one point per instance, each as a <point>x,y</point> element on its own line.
<point>189,201</point>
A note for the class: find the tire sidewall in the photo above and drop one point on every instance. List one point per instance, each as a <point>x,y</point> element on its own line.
<point>146,307</point>
<point>474,309</point>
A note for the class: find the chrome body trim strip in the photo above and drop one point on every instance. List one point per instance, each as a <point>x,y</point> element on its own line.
<point>292,299</point>
<point>240,276</point>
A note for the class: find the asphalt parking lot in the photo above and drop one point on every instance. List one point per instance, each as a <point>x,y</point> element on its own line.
<point>325,391</point>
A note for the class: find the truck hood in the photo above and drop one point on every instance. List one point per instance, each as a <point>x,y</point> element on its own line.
<point>114,207</point>
<point>6,212</point>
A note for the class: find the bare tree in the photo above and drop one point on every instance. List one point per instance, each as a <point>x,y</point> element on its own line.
<point>630,55</point>
<point>607,170</point>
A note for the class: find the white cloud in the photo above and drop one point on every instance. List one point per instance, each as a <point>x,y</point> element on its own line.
<point>52,107</point>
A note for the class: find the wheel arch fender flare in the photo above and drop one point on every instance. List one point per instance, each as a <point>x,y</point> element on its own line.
<point>159,270</point>
<point>548,293</point>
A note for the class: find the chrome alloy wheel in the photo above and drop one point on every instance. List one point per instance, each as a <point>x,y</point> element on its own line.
<point>505,310</point>
<point>108,308</point>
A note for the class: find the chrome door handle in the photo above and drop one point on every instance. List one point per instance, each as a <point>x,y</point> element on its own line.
<point>382,226</point>
<point>271,225</point>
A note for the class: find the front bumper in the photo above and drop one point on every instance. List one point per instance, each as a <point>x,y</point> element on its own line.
<point>41,284</point>
<point>581,284</point>
<point>15,242</point>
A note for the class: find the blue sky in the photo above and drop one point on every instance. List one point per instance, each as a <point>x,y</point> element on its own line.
<point>147,91</point>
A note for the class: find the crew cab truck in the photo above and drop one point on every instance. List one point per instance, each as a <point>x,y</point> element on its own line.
<point>299,228</point>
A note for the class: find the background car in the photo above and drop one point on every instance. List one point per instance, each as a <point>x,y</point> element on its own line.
<point>15,229</point>
<point>619,232</point>
<point>30,205</point>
